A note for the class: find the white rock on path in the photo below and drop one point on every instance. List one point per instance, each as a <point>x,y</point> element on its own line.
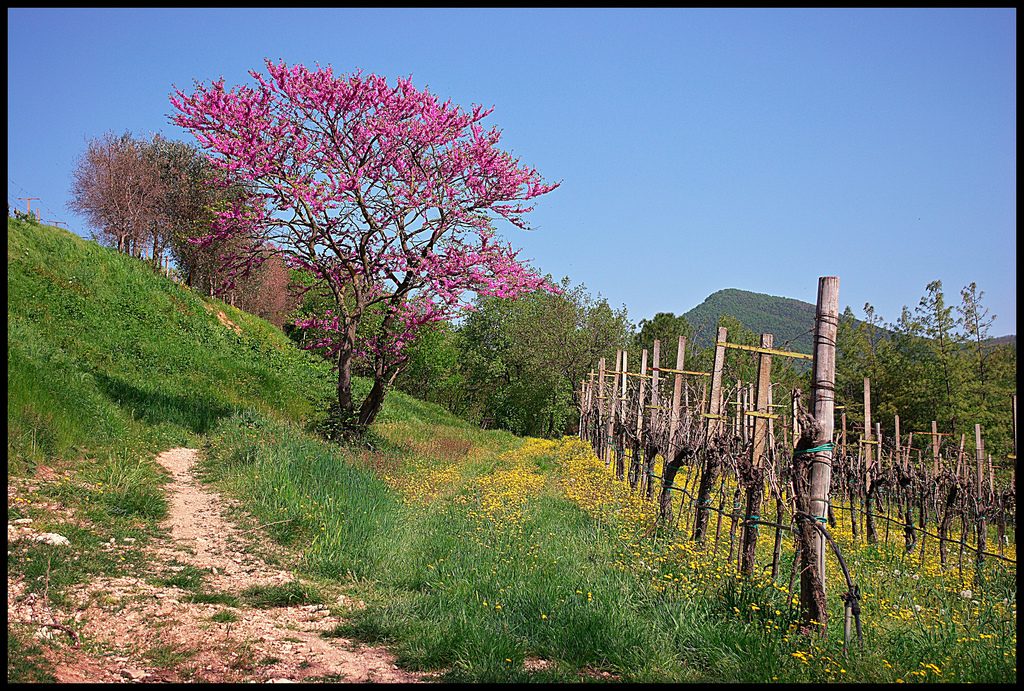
<point>52,539</point>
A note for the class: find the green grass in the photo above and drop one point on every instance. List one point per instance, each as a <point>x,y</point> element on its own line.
<point>168,656</point>
<point>212,598</point>
<point>225,616</point>
<point>25,660</point>
<point>188,578</point>
<point>284,595</point>
<point>109,364</point>
<point>425,570</point>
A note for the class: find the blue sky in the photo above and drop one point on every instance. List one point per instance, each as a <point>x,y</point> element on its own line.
<point>697,149</point>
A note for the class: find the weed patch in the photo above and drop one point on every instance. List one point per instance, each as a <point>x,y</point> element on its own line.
<point>285,595</point>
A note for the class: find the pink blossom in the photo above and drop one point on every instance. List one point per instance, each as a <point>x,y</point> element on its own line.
<point>382,192</point>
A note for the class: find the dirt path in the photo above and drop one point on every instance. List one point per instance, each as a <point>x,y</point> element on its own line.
<point>159,633</point>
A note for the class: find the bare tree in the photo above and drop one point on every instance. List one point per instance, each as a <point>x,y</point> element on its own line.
<point>116,186</point>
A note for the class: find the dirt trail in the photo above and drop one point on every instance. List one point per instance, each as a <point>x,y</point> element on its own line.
<point>154,633</point>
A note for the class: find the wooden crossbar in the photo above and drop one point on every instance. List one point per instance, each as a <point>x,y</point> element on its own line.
<point>754,413</point>
<point>769,351</point>
<point>681,371</point>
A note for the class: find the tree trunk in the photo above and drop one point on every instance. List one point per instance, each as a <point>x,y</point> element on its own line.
<point>650,452</point>
<point>909,533</point>
<point>375,399</point>
<point>748,549</point>
<point>346,355</point>
<point>777,549</point>
<point>668,478</point>
<point>869,511</point>
<point>707,483</point>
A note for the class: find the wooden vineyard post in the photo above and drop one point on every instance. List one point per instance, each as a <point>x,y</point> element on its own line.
<point>671,466</point>
<point>796,421</point>
<point>979,454</point>
<point>583,407</point>
<point>814,504</point>
<point>713,429</point>
<point>777,470</point>
<point>755,484</point>
<point>879,467</point>
<point>677,396</point>
<point>652,428</point>
<point>737,429</point>
<point>1013,477</point>
<point>637,463</point>
<point>869,488</point>
<point>620,441</point>
<point>851,482</point>
<point>947,511</point>
<point>601,441</point>
<point>591,418</point>
<point>610,425</point>
<point>750,404</point>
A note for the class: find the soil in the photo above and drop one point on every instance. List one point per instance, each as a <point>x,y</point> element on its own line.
<point>134,629</point>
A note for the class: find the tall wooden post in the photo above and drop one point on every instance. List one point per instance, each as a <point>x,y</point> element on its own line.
<point>677,396</point>
<point>652,428</point>
<point>614,399</point>
<point>583,407</point>
<point>750,405</point>
<point>869,467</point>
<point>796,421</point>
<point>591,417</point>
<point>1013,477</point>
<point>643,395</point>
<point>601,417</point>
<point>673,443</point>
<point>716,421</point>
<point>619,424</point>
<point>738,410</point>
<point>755,488</point>
<point>636,463</point>
<point>812,577</point>
<point>979,454</point>
<point>850,480</point>
<point>715,425</point>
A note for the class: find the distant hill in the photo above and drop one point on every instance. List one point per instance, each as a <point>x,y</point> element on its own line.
<point>790,321</point>
<point>1003,340</point>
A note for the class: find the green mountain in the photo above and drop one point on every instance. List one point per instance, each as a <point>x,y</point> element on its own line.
<point>790,321</point>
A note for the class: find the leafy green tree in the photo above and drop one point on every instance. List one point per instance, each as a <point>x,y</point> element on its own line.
<point>433,372</point>
<point>667,328</point>
<point>524,359</point>
<point>939,326</point>
<point>976,322</point>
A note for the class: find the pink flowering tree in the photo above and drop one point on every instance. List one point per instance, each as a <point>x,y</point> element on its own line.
<point>384,194</point>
